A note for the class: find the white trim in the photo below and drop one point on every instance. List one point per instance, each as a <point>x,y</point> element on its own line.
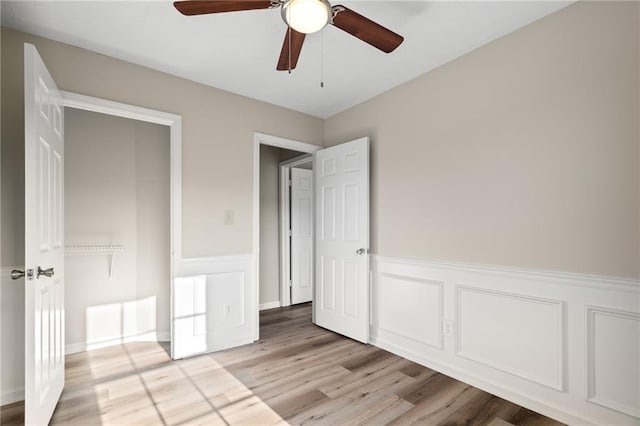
<point>493,387</point>
<point>559,381</point>
<point>270,305</point>
<point>278,142</point>
<point>103,106</point>
<point>206,265</point>
<point>297,161</point>
<point>284,206</point>
<point>569,278</point>
<point>439,284</point>
<point>591,395</point>
<point>72,348</point>
<point>285,242</point>
<point>232,284</point>
<point>174,121</point>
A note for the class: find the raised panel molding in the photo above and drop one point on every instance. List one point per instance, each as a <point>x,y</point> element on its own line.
<point>432,307</point>
<point>225,284</point>
<point>584,334</point>
<point>613,359</point>
<point>541,335</point>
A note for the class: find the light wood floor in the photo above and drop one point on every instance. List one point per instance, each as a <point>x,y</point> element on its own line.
<point>297,373</point>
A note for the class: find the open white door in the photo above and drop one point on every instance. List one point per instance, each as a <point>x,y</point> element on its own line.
<point>342,239</point>
<point>44,240</point>
<point>301,235</point>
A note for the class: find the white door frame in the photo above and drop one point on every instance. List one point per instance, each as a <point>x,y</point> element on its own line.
<point>285,225</point>
<point>174,121</point>
<point>278,142</point>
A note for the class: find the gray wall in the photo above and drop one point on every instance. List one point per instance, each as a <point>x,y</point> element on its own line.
<point>116,191</point>
<point>524,152</point>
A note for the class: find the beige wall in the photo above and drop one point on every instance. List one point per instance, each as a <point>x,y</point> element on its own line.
<point>116,191</point>
<point>217,137</point>
<point>523,153</point>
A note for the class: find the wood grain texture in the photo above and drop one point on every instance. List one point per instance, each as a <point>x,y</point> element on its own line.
<point>365,29</point>
<point>199,7</point>
<point>291,48</point>
<point>296,374</point>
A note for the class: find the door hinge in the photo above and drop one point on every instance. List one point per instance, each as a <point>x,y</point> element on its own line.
<point>290,284</point>
<point>290,233</point>
<point>289,182</point>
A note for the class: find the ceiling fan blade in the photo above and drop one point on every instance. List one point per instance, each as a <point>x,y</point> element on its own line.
<point>365,29</point>
<point>290,50</point>
<point>202,7</point>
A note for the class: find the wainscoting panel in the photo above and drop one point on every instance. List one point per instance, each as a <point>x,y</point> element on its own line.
<point>213,305</point>
<point>399,298</point>
<point>565,345</point>
<point>613,359</point>
<point>513,333</point>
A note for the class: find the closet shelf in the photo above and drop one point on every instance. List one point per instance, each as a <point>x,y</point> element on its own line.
<point>96,249</point>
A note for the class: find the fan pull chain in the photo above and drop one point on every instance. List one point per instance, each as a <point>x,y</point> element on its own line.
<point>322,59</point>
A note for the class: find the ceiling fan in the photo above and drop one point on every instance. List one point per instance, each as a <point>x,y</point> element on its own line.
<point>302,17</point>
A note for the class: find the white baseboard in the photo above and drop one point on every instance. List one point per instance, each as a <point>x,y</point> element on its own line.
<point>548,341</point>
<point>11,397</point>
<point>491,387</point>
<point>269,305</point>
<point>72,348</point>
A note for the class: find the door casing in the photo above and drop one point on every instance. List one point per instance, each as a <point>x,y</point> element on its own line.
<point>278,142</point>
<point>285,223</point>
<point>174,122</point>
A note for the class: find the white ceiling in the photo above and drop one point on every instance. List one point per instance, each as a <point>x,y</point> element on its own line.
<point>238,51</point>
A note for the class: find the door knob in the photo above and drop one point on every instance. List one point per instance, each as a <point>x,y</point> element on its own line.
<point>16,274</point>
<point>361,251</point>
<point>46,272</point>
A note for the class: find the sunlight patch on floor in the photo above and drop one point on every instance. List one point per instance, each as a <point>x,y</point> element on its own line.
<point>152,389</point>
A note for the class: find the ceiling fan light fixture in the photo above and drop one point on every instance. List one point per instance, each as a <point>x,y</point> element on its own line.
<point>306,16</point>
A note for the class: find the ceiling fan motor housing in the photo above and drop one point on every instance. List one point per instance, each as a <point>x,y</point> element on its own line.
<point>307,16</point>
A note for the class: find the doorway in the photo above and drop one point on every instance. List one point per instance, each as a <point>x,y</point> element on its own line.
<point>294,148</point>
<point>145,329</point>
<point>296,230</point>
<point>341,252</point>
<point>117,236</point>
<point>286,227</point>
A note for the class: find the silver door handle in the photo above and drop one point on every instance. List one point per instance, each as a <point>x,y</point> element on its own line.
<point>16,274</point>
<point>46,272</point>
<point>362,251</point>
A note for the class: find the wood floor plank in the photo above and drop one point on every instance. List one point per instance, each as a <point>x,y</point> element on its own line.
<point>296,373</point>
<point>368,397</point>
<point>438,405</point>
<point>381,413</point>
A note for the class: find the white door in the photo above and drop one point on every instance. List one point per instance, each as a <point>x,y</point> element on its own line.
<point>301,235</point>
<point>342,239</point>
<point>44,241</point>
